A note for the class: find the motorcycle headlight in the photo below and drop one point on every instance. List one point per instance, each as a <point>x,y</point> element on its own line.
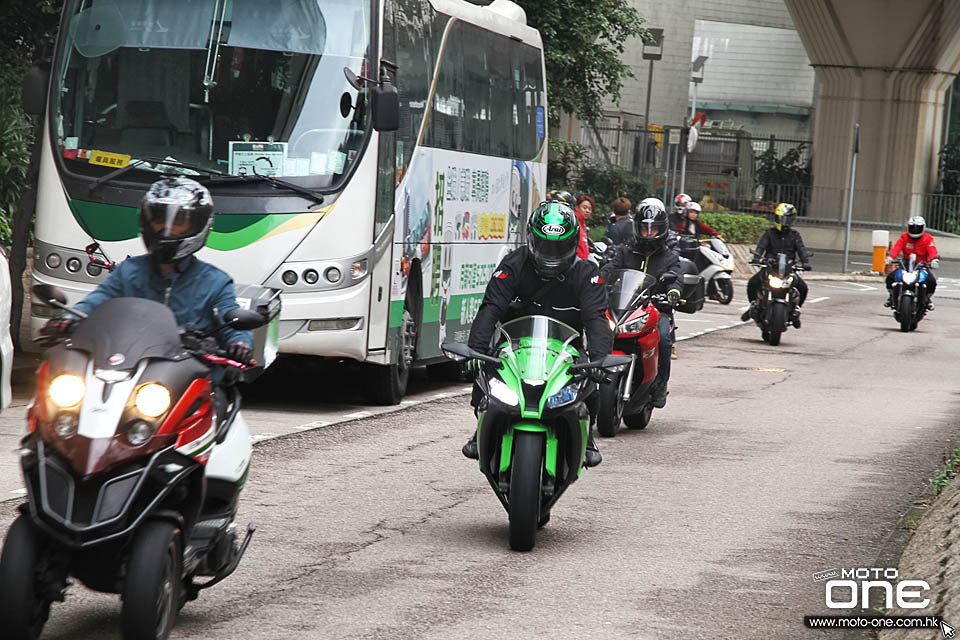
<point>139,432</point>
<point>152,399</point>
<point>908,277</point>
<point>66,390</point>
<point>503,393</point>
<point>775,282</point>
<point>635,325</point>
<point>563,397</point>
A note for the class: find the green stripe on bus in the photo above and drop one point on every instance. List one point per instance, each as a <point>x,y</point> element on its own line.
<point>114,223</point>
<point>433,306</point>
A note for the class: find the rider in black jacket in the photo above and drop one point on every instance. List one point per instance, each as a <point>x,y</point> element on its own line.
<point>780,239</point>
<point>648,252</point>
<point>546,278</point>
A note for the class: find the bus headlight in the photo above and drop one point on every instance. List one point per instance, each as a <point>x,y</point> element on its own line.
<point>153,399</point>
<point>66,390</point>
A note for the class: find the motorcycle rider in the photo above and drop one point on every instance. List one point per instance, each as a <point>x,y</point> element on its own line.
<point>621,229</point>
<point>679,205</point>
<point>546,278</point>
<point>915,241</point>
<point>176,215</point>
<point>648,252</point>
<point>780,238</point>
<point>690,223</point>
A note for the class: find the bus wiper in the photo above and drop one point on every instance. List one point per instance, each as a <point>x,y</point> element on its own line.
<point>275,182</point>
<point>113,175</point>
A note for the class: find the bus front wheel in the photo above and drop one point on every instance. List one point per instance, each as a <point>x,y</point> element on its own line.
<point>387,384</point>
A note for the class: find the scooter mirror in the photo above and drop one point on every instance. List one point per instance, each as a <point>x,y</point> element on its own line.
<point>48,292</point>
<point>244,319</point>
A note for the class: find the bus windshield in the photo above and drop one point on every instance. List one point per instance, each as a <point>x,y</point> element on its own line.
<point>240,86</point>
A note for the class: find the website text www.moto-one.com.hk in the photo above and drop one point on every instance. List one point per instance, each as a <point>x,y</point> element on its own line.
<point>873,622</point>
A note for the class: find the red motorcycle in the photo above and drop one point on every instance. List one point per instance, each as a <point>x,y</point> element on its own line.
<point>633,316</point>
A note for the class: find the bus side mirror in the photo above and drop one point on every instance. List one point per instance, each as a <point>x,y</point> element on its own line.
<point>385,107</point>
<point>35,91</point>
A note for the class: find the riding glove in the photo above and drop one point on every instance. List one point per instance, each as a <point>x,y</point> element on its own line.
<point>59,326</point>
<point>240,352</point>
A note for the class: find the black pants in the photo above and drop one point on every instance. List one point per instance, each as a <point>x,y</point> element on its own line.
<point>931,282</point>
<point>753,287</point>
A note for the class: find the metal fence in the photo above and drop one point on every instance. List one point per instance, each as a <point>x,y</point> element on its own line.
<point>722,172</point>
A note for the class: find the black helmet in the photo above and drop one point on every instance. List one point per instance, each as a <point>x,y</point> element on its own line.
<point>559,195</point>
<point>175,218</point>
<point>784,216</point>
<point>915,226</point>
<point>553,234</point>
<point>650,226</point>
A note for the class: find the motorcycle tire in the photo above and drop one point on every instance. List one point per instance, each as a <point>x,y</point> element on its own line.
<point>611,407</point>
<point>724,290</point>
<point>23,611</point>
<point>906,313</point>
<point>778,322</point>
<point>151,591</point>
<point>638,421</point>
<point>526,475</point>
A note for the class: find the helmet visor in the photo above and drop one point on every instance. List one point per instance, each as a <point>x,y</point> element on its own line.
<point>650,228</point>
<point>172,220</point>
<point>915,230</point>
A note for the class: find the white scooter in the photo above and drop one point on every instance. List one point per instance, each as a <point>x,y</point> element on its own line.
<point>715,263</point>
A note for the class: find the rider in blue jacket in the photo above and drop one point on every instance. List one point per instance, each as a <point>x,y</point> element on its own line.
<point>176,215</point>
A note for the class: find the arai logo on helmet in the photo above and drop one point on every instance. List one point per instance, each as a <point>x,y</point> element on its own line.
<point>553,229</point>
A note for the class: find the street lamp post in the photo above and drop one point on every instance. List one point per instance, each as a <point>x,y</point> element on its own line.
<point>696,77</point>
<point>652,51</point>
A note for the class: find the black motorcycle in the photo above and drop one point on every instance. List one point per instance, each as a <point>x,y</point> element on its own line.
<point>777,299</point>
<point>909,292</point>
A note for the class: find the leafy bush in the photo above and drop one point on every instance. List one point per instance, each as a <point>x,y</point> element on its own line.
<point>737,228</point>
<point>15,139</point>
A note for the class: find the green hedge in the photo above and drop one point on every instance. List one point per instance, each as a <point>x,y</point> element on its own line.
<point>737,228</point>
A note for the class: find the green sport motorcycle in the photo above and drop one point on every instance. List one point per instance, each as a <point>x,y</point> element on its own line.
<point>533,424</point>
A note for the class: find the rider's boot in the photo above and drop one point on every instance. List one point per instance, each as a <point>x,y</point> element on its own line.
<point>592,457</point>
<point>930,305</point>
<point>470,448</point>
<point>796,317</point>
<point>659,395</point>
<point>751,312</point>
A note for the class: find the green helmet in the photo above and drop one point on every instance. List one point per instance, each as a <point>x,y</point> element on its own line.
<point>553,234</point>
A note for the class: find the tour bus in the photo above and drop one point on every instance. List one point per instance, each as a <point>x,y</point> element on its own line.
<point>380,235</point>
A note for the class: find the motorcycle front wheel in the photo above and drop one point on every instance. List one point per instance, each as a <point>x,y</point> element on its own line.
<point>724,290</point>
<point>526,471</point>
<point>778,321</point>
<point>906,313</point>
<point>611,407</point>
<point>151,591</point>
<point>23,610</point>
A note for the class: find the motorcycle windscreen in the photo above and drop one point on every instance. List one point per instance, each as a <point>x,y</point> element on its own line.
<point>782,265</point>
<point>540,344</point>
<point>720,247</point>
<point>623,288</point>
<point>122,331</point>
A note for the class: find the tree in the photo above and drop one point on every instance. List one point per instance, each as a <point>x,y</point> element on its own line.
<point>583,41</point>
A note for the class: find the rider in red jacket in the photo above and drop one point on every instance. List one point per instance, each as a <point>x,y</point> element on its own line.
<point>915,241</point>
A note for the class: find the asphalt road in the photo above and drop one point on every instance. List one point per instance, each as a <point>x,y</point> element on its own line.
<point>767,465</point>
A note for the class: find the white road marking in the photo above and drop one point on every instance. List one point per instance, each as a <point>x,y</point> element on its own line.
<point>262,436</point>
<point>860,286</point>
<point>358,414</point>
<point>312,425</point>
<point>19,492</point>
<point>821,299</point>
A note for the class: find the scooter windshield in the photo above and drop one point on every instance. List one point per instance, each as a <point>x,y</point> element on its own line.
<point>538,344</point>
<point>720,247</point>
<point>624,287</point>
<point>122,331</point>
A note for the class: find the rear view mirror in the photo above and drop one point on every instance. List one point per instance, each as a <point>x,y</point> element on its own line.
<point>34,96</point>
<point>615,364</point>
<point>455,350</point>
<point>244,319</point>
<point>385,107</point>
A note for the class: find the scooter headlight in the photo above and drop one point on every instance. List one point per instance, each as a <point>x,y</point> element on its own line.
<point>139,432</point>
<point>152,399</point>
<point>66,390</point>
<point>503,393</point>
<point>563,397</point>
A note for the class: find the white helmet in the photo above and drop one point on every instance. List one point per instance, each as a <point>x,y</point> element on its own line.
<point>915,226</point>
<point>693,206</point>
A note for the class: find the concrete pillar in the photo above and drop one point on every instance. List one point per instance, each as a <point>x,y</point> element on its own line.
<point>886,65</point>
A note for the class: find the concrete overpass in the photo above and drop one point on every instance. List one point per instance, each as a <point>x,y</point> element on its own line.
<point>886,64</point>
